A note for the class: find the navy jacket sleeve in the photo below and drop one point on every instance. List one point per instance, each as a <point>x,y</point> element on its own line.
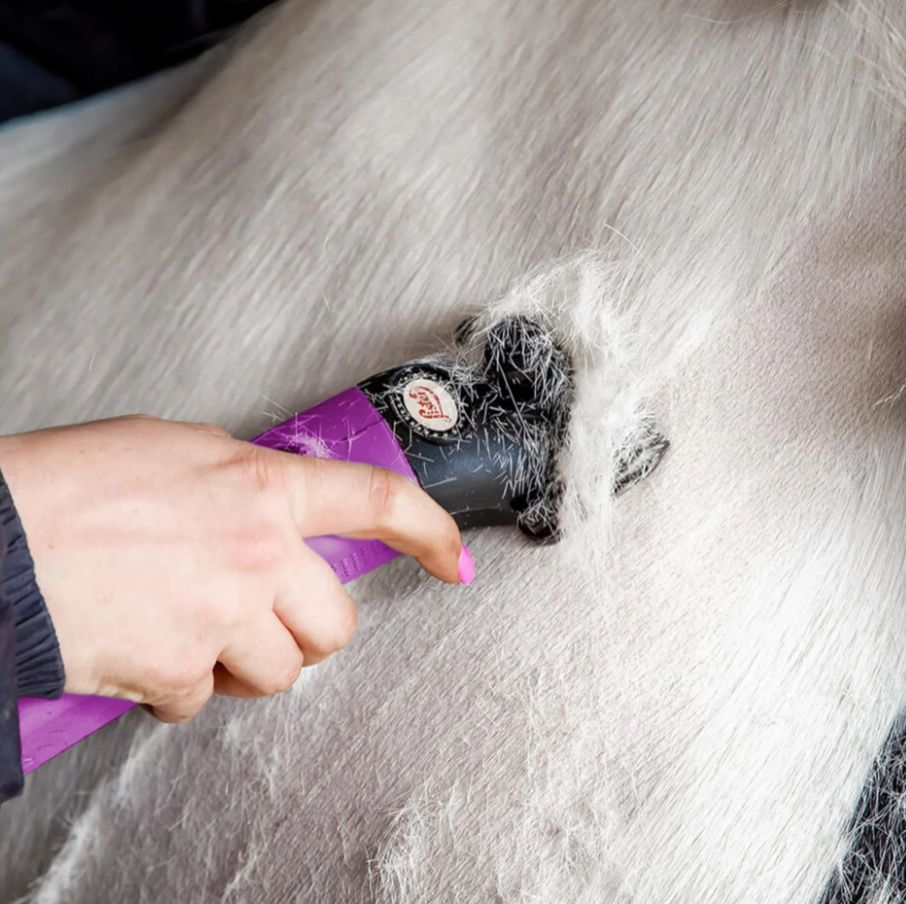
<point>53,52</point>
<point>30,662</point>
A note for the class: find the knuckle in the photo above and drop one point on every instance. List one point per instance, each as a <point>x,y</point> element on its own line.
<point>341,631</point>
<point>214,430</point>
<point>183,677</point>
<point>347,626</point>
<point>452,543</point>
<point>259,550</point>
<point>185,703</point>
<point>263,468</point>
<point>383,495</point>
<point>163,714</point>
<point>283,678</point>
<point>184,713</point>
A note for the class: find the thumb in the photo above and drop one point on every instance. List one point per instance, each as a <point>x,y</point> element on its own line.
<point>368,503</point>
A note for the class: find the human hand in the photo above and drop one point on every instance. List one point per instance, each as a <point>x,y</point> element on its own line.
<point>172,561</point>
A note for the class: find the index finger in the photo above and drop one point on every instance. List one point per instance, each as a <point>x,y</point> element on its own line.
<point>368,503</point>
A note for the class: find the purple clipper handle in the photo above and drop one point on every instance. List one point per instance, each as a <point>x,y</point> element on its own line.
<point>346,427</point>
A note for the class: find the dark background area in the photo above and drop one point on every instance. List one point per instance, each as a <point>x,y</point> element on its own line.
<point>53,53</point>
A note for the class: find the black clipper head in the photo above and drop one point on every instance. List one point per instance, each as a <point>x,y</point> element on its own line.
<point>484,439</point>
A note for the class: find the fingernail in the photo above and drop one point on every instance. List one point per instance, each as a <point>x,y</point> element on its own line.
<point>466,567</point>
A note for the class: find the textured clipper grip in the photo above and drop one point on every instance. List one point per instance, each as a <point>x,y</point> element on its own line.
<point>345,427</point>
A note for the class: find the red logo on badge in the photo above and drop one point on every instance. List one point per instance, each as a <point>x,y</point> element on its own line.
<point>430,406</point>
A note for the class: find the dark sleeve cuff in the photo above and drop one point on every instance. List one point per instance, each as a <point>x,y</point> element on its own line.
<point>30,662</point>
<point>39,666</point>
<point>11,778</point>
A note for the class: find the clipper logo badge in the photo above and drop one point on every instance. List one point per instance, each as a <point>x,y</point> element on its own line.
<point>430,405</point>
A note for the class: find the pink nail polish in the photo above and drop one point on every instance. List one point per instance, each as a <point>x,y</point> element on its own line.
<point>466,567</point>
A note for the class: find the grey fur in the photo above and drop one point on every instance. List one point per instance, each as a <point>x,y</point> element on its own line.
<point>680,704</point>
